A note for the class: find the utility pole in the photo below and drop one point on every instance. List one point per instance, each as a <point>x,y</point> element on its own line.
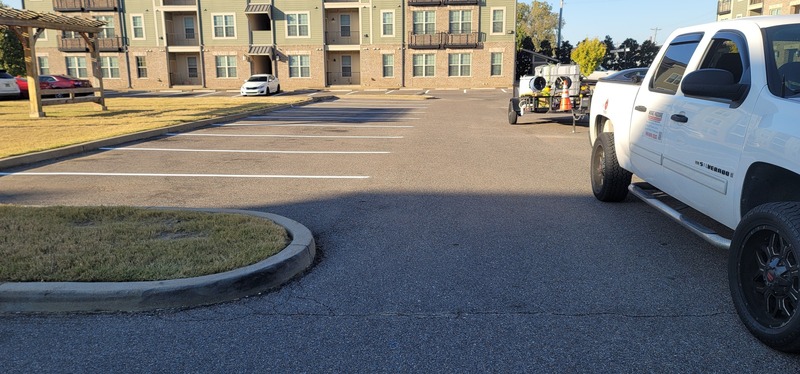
<point>655,35</point>
<point>560,13</point>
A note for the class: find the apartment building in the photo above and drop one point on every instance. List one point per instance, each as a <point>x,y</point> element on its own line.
<point>732,9</point>
<point>158,44</point>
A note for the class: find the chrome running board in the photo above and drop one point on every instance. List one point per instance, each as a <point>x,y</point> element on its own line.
<point>704,232</point>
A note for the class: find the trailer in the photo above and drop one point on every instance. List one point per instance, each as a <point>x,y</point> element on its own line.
<point>552,89</point>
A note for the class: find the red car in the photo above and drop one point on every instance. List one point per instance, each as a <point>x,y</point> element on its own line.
<point>22,82</point>
<point>64,81</point>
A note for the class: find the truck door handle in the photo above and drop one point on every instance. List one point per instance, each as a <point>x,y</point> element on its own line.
<point>679,118</point>
<point>640,108</point>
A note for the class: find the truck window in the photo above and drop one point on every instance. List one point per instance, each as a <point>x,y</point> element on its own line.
<point>673,64</point>
<point>726,54</point>
<point>783,60</point>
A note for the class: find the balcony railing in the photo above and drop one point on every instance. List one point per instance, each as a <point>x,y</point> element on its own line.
<point>466,40</point>
<point>100,5</point>
<point>84,5</point>
<point>441,40</point>
<point>178,2</point>
<point>338,38</point>
<point>344,78</point>
<point>724,7</point>
<point>756,2</point>
<point>114,44</point>
<point>181,40</point>
<point>461,2</point>
<point>425,2</point>
<point>68,5</point>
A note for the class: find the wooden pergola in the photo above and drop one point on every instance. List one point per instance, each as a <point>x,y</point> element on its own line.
<point>28,25</point>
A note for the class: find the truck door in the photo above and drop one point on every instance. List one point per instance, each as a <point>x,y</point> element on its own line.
<point>704,137</point>
<point>652,105</point>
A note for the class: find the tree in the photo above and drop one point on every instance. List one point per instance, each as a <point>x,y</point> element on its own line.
<point>627,57</point>
<point>546,48</point>
<point>524,59</point>
<point>647,53</point>
<point>563,52</point>
<point>12,58</point>
<point>609,60</point>
<point>589,54</point>
<point>538,21</point>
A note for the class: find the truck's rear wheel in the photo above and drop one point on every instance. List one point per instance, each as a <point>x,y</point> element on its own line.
<point>764,274</point>
<point>609,180</point>
<point>512,113</point>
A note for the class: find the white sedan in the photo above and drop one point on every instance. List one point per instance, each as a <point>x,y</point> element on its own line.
<point>8,85</point>
<point>261,84</point>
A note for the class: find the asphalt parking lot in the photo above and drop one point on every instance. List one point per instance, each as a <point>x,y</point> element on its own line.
<point>449,241</point>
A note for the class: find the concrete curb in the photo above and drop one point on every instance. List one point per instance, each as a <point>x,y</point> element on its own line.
<point>141,296</point>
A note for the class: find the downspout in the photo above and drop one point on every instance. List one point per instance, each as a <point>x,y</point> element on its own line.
<point>272,25</point>
<point>121,11</point>
<point>403,45</point>
<point>202,45</point>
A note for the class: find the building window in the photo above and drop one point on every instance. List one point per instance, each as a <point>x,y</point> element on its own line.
<point>460,21</point>
<point>107,30</point>
<point>347,66</point>
<point>137,26</point>
<point>424,65</point>
<point>109,66</point>
<point>388,65</point>
<point>344,25</point>
<point>297,25</point>
<point>224,26</point>
<point>775,12</point>
<point>226,66</point>
<point>191,66</point>
<point>44,65</point>
<point>76,67</point>
<point>424,22</point>
<point>299,66</point>
<point>498,21</point>
<point>387,23</point>
<point>188,27</point>
<point>141,67</point>
<point>497,63</point>
<point>459,64</point>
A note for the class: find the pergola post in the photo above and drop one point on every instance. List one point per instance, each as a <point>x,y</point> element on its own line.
<point>28,40</point>
<point>97,73</point>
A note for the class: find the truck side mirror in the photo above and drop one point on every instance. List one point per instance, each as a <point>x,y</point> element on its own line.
<point>713,83</point>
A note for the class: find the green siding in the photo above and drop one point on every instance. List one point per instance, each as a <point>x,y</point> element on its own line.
<point>315,11</point>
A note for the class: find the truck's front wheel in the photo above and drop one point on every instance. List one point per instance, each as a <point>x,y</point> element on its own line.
<point>764,274</point>
<point>609,180</point>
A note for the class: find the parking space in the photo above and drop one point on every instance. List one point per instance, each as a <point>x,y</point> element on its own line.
<point>332,140</point>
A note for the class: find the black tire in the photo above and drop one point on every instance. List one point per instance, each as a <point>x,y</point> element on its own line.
<point>266,93</point>
<point>609,180</point>
<point>278,89</point>
<point>512,113</point>
<point>764,274</point>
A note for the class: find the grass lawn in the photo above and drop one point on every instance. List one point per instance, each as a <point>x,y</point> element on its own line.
<point>78,123</point>
<point>123,243</point>
<point>111,244</point>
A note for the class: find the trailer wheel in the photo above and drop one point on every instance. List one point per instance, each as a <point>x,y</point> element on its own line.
<point>512,113</point>
<point>609,180</point>
<point>764,274</point>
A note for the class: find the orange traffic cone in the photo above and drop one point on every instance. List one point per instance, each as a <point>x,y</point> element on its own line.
<point>566,102</point>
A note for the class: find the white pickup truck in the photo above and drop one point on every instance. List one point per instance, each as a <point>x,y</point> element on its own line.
<point>715,125</point>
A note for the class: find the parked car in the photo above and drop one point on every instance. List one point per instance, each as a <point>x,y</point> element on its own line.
<point>596,75</point>
<point>8,86</point>
<point>261,84</point>
<point>64,81</point>
<point>22,82</point>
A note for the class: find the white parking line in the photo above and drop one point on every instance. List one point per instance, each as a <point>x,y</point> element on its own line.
<point>244,151</point>
<point>313,125</point>
<point>326,118</point>
<point>339,111</point>
<point>37,174</point>
<point>207,94</point>
<point>289,136</point>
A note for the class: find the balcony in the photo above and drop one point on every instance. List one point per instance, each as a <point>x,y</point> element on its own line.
<point>462,2</point>
<point>114,44</point>
<point>68,5</point>
<point>441,40</point>
<point>182,40</point>
<point>426,41</point>
<point>724,7</point>
<point>343,78</point>
<point>756,2</point>
<point>84,5</point>
<point>100,5</point>
<point>338,38</point>
<point>466,40</point>
<point>179,2</point>
<point>424,2</point>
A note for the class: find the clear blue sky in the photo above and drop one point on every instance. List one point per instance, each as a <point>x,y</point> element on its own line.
<point>621,19</point>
